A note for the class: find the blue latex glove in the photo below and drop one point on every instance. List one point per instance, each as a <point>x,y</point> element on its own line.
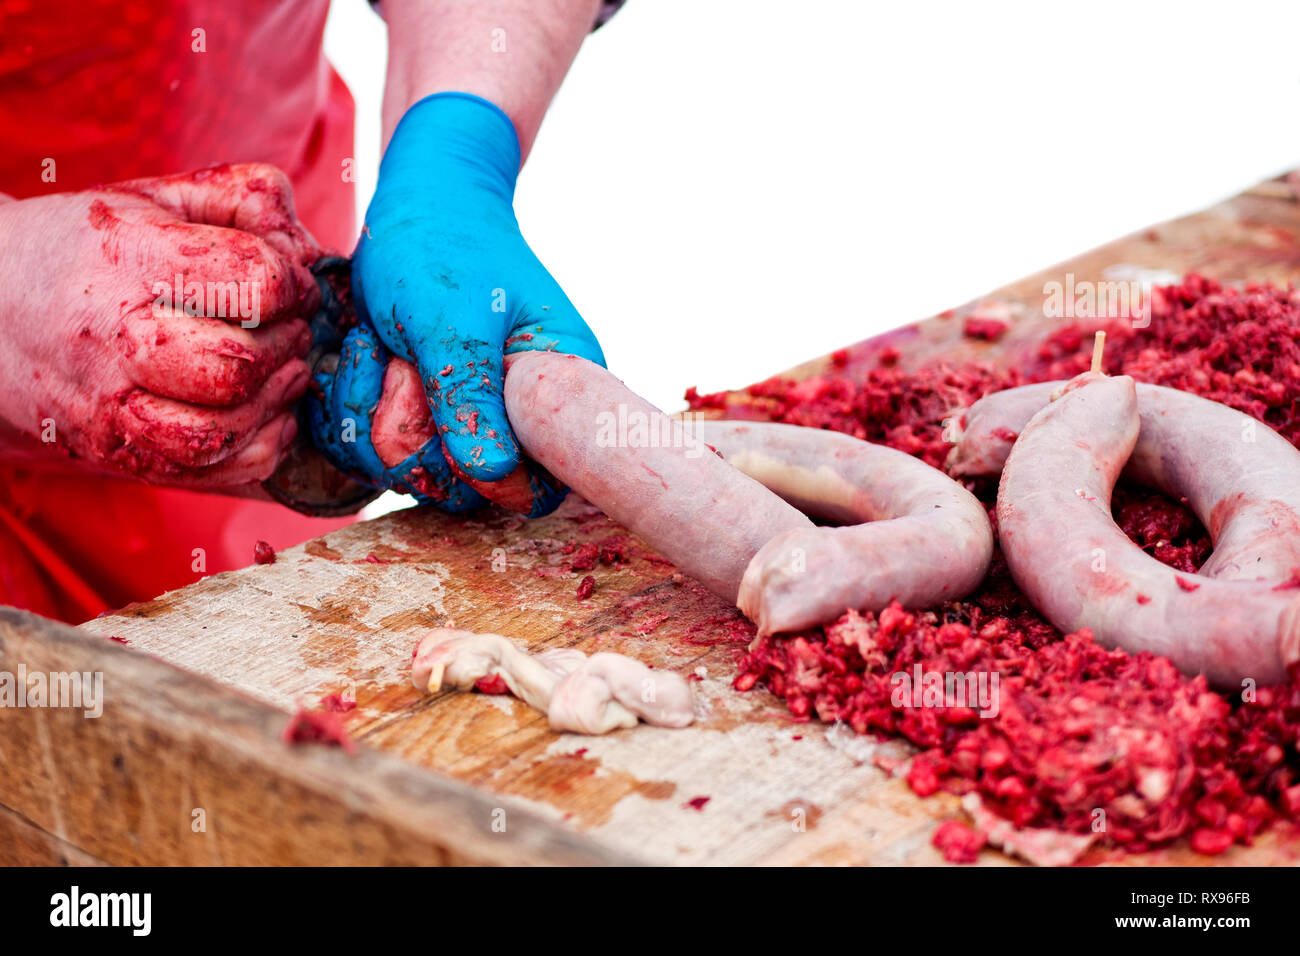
<point>444,277</point>
<point>341,420</point>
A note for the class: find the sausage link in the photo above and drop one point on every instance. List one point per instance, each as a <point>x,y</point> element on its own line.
<point>648,472</point>
<point>914,535</point>
<point>1237,475</point>
<point>1075,565</point>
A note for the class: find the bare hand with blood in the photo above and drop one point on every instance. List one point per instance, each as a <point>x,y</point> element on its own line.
<point>157,327</point>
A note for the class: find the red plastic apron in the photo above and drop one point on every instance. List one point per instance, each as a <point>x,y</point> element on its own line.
<point>116,90</point>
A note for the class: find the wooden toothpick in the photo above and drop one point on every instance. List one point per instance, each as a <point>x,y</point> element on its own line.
<point>1098,346</point>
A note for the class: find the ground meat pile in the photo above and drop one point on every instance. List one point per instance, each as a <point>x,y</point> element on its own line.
<point>1084,739</point>
<point>905,410</point>
<point>1238,347</point>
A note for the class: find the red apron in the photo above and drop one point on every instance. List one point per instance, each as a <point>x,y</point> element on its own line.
<point>117,90</point>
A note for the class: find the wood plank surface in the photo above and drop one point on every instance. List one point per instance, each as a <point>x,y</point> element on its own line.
<point>178,769</point>
<point>342,615</point>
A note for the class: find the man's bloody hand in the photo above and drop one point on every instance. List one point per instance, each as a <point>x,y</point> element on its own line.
<point>157,326</point>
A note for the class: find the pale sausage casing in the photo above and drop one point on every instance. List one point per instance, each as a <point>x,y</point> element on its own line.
<point>646,471</point>
<point>1237,475</point>
<point>911,534</point>
<point>1080,570</point>
<point>917,536</point>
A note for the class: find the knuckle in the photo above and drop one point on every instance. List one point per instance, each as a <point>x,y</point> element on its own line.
<point>270,181</point>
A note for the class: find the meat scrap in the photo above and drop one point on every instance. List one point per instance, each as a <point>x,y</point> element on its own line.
<point>988,321</point>
<point>318,727</point>
<point>581,694</point>
<point>958,842</point>
<point>337,703</point>
<point>1040,846</point>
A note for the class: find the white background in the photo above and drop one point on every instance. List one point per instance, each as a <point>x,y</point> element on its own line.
<point>727,188</point>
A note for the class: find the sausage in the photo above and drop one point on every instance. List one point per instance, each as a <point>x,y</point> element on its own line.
<point>925,538</point>
<point>918,537</point>
<point>585,695</point>
<point>1237,475</point>
<point>914,535</point>
<point>1076,566</point>
<point>643,469</point>
<point>647,471</point>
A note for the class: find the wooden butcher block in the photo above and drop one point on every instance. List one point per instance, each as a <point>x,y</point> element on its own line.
<point>186,763</point>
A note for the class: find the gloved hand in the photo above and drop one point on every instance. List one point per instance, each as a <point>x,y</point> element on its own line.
<point>445,281</point>
<point>156,327</point>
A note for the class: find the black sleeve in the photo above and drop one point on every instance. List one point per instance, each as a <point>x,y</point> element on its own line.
<point>607,10</point>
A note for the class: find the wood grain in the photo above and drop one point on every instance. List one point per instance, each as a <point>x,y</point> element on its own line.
<point>179,769</point>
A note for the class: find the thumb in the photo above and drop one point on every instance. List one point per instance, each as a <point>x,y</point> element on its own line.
<point>468,401</point>
<point>549,322</point>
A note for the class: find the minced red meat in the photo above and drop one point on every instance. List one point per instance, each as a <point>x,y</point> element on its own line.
<point>990,330</point>
<point>318,727</point>
<point>957,842</point>
<point>337,703</point>
<point>1084,738</point>
<point>610,550</point>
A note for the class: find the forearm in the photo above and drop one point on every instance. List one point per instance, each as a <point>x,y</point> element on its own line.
<point>514,53</point>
